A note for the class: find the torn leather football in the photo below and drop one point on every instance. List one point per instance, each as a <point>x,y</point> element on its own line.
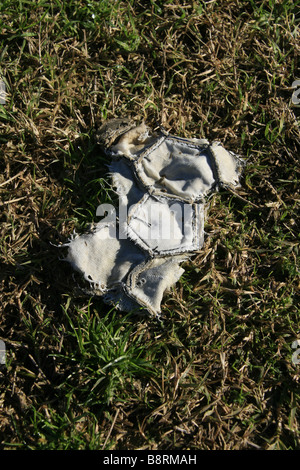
<point>163,182</point>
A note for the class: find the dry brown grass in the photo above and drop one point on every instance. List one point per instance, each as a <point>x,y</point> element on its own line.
<point>218,374</point>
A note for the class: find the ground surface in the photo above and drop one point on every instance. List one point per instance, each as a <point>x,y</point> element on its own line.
<point>222,371</point>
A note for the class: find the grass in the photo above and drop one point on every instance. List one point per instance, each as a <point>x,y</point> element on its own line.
<point>218,372</point>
